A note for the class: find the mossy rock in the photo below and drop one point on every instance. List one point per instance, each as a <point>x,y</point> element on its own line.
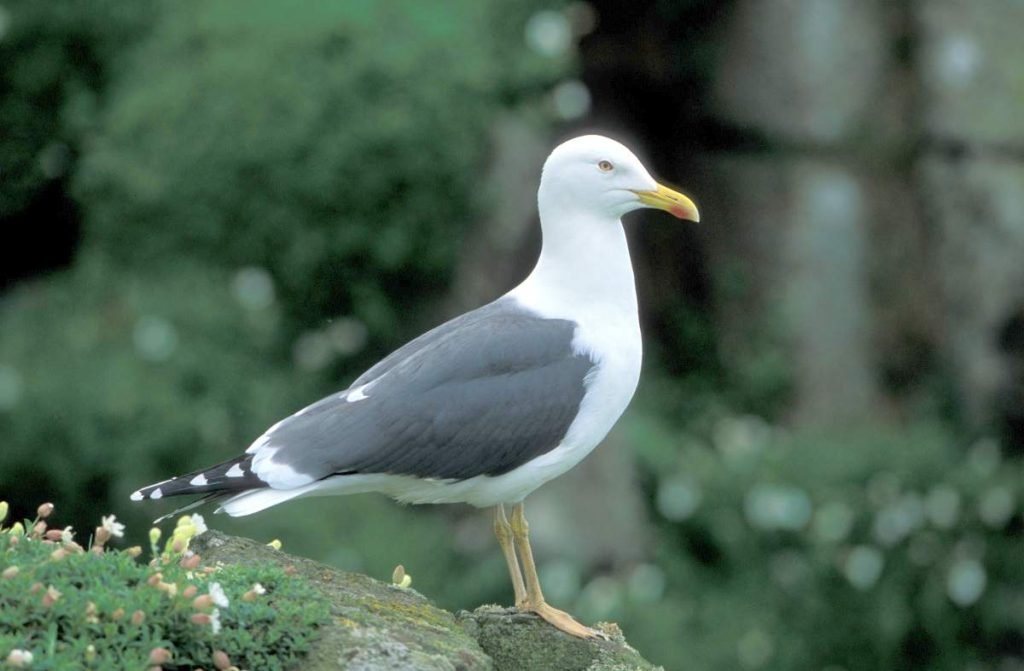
<point>377,627</point>
<point>514,640</point>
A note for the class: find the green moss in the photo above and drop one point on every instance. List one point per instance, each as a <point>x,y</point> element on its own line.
<point>418,614</point>
<point>373,625</point>
<point>520,641</point>
<point>379,626</point>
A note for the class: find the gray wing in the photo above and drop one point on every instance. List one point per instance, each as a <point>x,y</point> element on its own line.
<point>481,394</point>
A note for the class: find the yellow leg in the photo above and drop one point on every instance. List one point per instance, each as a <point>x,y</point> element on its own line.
<point>503,530</point>
<point>534,601</point>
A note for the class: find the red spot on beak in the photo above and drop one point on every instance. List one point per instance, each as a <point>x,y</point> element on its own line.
<point>678,212</point>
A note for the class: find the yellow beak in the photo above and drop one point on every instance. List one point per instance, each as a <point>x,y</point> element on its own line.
<point>673,202</point>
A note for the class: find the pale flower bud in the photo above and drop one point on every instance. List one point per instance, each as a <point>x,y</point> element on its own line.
<point>191,562</point>
<point>221,660</point>
<point>51,596</point>
<point>400,578</point>
<point>159,656</point>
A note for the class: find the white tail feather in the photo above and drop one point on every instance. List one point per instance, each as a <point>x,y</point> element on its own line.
<point>255,500</point>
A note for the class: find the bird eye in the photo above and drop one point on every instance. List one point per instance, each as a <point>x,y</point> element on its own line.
<point>605,166</point>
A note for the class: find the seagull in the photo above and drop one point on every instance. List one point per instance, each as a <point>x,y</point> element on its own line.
<point>489,406</point>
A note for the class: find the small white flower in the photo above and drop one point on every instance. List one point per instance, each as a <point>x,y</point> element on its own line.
<point>218,595</point>
<point>259,589</point>
<point>115,528</point>
<point>215,620</point>
<point>199,523</point>
<point>19,658</point>
<point>67,535</point>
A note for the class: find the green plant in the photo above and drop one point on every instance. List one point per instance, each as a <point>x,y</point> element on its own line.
<point>336,146</point>
<point>58,58</point>
<point>878,548</point>
<point>64,606</point>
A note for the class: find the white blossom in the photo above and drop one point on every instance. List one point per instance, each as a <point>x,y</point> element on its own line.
<point>199,523</point>
<point>218,595</point>
<point>115,528</point>
<point>19,658</point>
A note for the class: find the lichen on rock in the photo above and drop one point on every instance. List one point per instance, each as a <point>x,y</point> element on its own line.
<point>379,627</point>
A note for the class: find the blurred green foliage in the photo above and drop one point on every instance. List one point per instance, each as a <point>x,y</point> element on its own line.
<point>877,549</point>
<point>115,378</point>
<point>57,58</point>
<point>334,144</point>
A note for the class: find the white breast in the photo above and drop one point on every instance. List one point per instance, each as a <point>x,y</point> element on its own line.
<point>609,332</point>
<point>584,274</point>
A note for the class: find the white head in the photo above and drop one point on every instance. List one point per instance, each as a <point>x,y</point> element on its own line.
<point>600,177</point>
<point>584,267</point>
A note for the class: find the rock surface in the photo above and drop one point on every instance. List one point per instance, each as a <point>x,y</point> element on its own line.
<point>378,627</point>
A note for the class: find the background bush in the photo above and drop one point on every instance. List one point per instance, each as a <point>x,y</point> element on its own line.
<point>335,146</point>
<point>57,61</point>
<point>900,550</point>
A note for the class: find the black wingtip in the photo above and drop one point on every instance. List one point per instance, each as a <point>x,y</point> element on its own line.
<point>229,477</point>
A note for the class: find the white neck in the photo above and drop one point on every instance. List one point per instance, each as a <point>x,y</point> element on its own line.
<point>584,268</point>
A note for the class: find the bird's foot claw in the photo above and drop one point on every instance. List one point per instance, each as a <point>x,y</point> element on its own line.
<point>561,620</point>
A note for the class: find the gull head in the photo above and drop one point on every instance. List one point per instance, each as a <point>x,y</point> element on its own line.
<point>597,176</point>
